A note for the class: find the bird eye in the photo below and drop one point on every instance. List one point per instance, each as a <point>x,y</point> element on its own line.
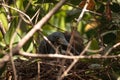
<point>56,37</point>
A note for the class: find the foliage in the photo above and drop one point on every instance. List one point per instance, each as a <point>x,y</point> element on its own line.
<point>101,24</point>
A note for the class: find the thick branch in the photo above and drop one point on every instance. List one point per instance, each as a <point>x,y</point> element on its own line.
<point>38,26</point>
<point>66,56</point>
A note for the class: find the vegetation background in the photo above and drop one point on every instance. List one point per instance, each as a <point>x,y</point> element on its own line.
<point>99,24</point>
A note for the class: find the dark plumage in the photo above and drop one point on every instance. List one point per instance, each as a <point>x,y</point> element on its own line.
<point>56,38</point>
<point>62,39</point>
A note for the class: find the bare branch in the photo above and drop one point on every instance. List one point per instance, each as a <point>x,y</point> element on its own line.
<point>75,27</point>
<point>74,61</point>
<point>113,47</point>
<point>46,39</point>
<point>29,20</point>
<point>36,55</point>
<point>39,25</point>
<point>95,51</point>
<point>7,12</point>
<point>38,69</point>
<point>35,14</point>
<point>83,11</point>
<point>3,60</point>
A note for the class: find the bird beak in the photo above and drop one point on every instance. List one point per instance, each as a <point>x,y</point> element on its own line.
<point>63,41</point>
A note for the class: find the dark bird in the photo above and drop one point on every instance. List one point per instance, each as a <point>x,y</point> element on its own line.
<point>62,39</point>
<point>56,38</point>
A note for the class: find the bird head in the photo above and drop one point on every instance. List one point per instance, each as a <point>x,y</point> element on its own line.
<point>58,37</point>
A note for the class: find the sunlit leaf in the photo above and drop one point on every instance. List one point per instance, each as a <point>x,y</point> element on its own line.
<point>10,32</point>
<point>19,4</point>
<point>3,20</point>
<point>8,35</point>
<point>92,25</point>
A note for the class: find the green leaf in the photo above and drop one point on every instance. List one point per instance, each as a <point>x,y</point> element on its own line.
<point>28,47</point>
<point>3,20</point>
<point>10,32</point>
<point>94,45</point>
<point>8,35</point>
<point>19,4</point>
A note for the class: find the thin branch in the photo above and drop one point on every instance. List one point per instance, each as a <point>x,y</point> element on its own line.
<point>29,22</point>
<point>99,14</point>
<point>75,27</point>
<point>38,69</point>
<point>5,59</point>
<point>12,62</point>
<point>116,45</point>
<point>95,51</point>
<point>37,17</point>
<point>10,56</point>
<point>7,12</point>
<point>68,69</point>
<point>35,14</point>
<point>83,11</point>
<point>11,46</point>
<point>19,12</point>
<point>38,55</point>
<point>78,9</point>
<point>46,39</point>
<point>62,69</point>
<point>12,40</point>
<point>71,40</point>
<point>38,25</point>
<point>11,50</point>
<point>113,47</point>
<point>86,48</point>
<point>70,43</point>
<point>27,5</point>
<point>74,61</point>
